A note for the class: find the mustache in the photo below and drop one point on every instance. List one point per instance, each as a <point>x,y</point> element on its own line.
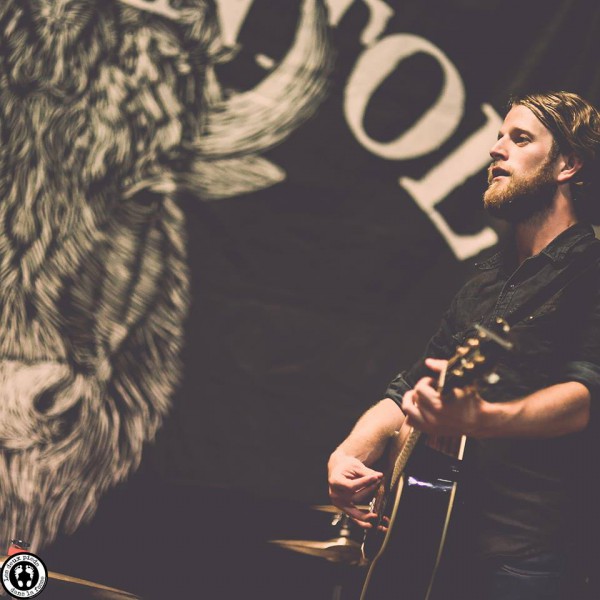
<point>493,170</point>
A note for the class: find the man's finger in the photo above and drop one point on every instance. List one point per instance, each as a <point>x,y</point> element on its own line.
<point>357,485</point>
<point>409,406</point>
<point>368,491</point>
<point>436,364</point>
<point>359,515</point>
<point>362,518</point>
<point>427,388</point>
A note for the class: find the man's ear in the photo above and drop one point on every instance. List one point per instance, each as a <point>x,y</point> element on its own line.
<point>572,163</point>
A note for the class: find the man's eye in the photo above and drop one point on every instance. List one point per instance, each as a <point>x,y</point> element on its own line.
<point>523,139</point>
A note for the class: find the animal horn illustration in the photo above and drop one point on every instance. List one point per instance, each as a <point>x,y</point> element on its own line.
<point>255,120</point>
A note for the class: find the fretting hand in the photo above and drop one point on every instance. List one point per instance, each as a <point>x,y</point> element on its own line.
<point>458,412</point>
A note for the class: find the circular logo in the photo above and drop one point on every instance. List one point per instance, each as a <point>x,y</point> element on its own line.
<point>24,575</point>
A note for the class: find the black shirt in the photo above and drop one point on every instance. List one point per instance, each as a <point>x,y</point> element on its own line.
<point>526,487</point>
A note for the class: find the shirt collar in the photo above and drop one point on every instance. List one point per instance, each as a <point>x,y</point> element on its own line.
<point>557,250</point>
<point>562,244</point>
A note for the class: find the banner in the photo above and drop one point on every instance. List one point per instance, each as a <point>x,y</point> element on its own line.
<point>226,226</point>
<point>311,294</point>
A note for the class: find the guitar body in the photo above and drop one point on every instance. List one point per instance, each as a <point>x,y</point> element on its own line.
<point>404,558</point>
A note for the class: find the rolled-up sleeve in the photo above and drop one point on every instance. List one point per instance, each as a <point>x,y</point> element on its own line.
<point>441,345</point>
<point>397,388</point>
<point>584,372</point>
<point>583,365</point>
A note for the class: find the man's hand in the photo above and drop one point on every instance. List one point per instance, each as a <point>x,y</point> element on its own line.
<point>351,481</point>
<point>459,412</point>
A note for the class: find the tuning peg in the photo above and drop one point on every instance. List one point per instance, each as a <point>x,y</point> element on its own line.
<point>469,365</point>
<point>473,343</point>
<point>492,378</point>
<point>502,324</point>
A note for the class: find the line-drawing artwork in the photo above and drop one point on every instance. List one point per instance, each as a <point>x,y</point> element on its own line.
<point>107,109</point>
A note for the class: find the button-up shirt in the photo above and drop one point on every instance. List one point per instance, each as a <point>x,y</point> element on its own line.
<point>525,485</point>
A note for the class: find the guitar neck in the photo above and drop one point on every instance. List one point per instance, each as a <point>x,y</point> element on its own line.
<point>450,445</point>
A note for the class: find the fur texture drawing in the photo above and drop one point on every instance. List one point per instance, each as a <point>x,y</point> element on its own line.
<point>107,109</point>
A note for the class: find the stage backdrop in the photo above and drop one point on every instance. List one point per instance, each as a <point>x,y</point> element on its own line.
<point>309,295</point>
<point>226,225</point>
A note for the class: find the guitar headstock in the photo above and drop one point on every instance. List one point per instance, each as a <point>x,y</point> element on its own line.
<point>476,357</point>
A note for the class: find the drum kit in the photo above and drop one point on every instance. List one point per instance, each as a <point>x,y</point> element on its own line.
<point>342,549</point>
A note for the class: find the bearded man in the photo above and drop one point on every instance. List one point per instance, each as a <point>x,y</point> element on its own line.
<point>529,431</point>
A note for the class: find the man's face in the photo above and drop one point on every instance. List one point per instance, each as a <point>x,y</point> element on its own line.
<point>522,176</point>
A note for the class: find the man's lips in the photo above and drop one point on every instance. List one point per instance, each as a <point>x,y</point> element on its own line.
<point>499,172</point>
<point>495,173</point>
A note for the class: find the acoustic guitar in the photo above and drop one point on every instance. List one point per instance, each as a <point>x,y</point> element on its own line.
<point>416,498</point>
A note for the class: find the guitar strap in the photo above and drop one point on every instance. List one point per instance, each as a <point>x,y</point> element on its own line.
<point>580,266</point>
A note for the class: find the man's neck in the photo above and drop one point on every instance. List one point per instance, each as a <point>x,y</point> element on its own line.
<point>533,235</point>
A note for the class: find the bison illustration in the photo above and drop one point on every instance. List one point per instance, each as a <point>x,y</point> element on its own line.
<point>107,109</point>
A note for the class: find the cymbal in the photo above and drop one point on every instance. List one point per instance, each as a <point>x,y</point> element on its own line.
<point>329,508</point>
<point>108,592</point>
<point>339,550</point>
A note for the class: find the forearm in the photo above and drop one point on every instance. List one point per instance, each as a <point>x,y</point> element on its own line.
<point>554,411</point>
<point>368,438</point>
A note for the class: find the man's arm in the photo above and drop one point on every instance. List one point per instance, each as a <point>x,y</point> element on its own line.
<point>350,478</point>
<point>550,412</point>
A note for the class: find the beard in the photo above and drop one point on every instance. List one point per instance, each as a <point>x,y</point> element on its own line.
<point>523,198</point>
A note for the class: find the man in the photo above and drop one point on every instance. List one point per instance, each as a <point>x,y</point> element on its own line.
<point>530,430</point>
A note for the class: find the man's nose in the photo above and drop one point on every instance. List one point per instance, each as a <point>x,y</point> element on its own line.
<point>498,151</point>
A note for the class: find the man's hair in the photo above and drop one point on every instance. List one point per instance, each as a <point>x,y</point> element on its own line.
<point>575,126</point>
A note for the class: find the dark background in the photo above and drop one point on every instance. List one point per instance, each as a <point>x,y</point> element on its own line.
<point>308,297</point>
